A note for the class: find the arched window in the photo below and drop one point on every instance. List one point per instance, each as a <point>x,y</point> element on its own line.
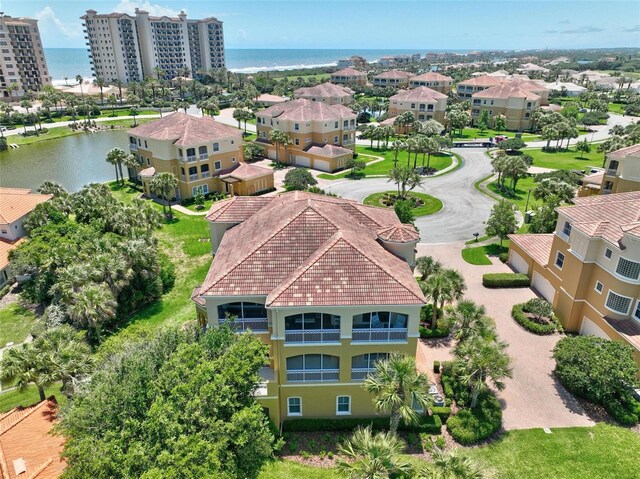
<point>364,364</point>
<point>313,367</point>
<point>312,327</point>
<point>613,167</point>
<point>380,326</point>
<point>246,314</point>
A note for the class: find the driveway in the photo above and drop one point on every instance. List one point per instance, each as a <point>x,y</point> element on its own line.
<point>532,398</point>
<point>464,208</point>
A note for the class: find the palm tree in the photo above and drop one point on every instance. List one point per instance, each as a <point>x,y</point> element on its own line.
<point>397,146</point>
<point>478,361</point>
<point>115,157</point>
<point>165,183</point>
<point>449,465</point>
<point>469,320</point>
<point>373,456</point>
<point>278,138</point>
<point>131,163</point>
<point>119,84</point>
<point>100,83</point>
<point>427,265</point>
<point>398,388</point>
<point>91,305</point>
<point>443,287</point>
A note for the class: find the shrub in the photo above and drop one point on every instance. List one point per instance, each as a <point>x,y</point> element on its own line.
<point>436,367</point>
<point>505,280</point>
<point>504,257</point>
<point>299,179</point>
<point>443,412</point>
<point>167,272</point>
<point>427,333</point>
<point>426,424</point>
<point>518,313</point>
<point>471,426</point>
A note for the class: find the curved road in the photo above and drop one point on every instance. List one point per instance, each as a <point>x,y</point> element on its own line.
<point>464,208</point>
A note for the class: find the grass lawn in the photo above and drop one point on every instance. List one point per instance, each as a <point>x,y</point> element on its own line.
<point>15,323</point>
<point>249,137</point>
<point>431,203</point>
<point>473,133</point>
<point>617,107</point>
<point>14,398</point>
<point>479,254</point>
<point>603,451</point>
<point>105,114</point>
<point>565,159</point>
<point>283,469</point>
<point>520,197</point>
<point>319,76</point>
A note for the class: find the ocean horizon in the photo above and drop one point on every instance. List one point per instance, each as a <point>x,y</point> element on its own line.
<point>70,62</point>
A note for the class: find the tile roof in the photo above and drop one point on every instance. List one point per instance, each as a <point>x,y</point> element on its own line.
<point>307,110</point>
<point>394,74</point>
<point>25,434</point>
<point>236,209</point>
<point>299,236</point>
<point>348,72</point>
<point>15,203</point>
<point>268,98</point>
<point>538,246</point>
<point>151,171</point>
<point>484,80</point>
<point>182,129</point>
<point>330,151</point>
<point>507,90</point>
<point>431,76</point>
<point>5,248</point>
<point>627,328</point>
<point>324,90</point>
<point>421,93</point>
<point>245,171</point>
<point>624,152</point>
<point>593,179</point>
<point>401,233</point>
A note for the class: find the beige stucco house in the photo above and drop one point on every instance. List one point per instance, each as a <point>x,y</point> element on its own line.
<point>425,103</point>
<point>326,93</point>
<point>349,76</point>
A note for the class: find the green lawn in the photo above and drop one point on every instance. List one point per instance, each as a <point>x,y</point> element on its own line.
<point>565,159</point>
<point>601,452</point>
<point>14,398</point>
<point>431,203</point>
<point>473,133</point>
<point>319,76</point>
<point>478,254</point>
<point>105,114</point>
<point>15,323</point>
<point>283,469</point>
<point>617,108</point>
<point>520,197</point>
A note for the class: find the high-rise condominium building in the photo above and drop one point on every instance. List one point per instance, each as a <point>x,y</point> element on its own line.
<point>131,48</point>
<point>22,64</point>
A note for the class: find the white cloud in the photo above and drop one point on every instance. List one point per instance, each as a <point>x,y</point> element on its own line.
<point>129,6</point>
<point>48,20</point>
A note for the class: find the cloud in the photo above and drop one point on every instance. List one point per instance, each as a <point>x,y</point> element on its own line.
<point>577,31</point>
<point>635,29</point>
<point>129,6</point>
<point>48,20</point>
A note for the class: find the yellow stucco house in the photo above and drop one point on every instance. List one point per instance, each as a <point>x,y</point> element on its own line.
<point>327,283</point>
<point>589,268</point>
<point>621,174</point>
<point>425,103</point>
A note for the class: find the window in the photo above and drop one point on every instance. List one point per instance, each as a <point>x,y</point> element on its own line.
<point>242,310</point>
<point>306,321</point>
<point>343,405</point>
<point>294,406</point>
<point>617,303</point>
<point>559,260</point>
<point>599,287</point>
<point>217,165</point>
<point>566,230</point>
<point>380,320</point>
<point>204,189</point>
<point>296,142</point>
<point>636,312</point>
<point>628,269</point>
<point>296,127</point>
<point>313,367</point>
<point>335,139</point>
<point>336,124</point>
<point>216,147</point>
<point>367,361</point>
<point>608,253</point>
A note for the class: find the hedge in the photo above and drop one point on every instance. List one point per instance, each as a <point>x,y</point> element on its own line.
<point>443,412</point>
<point>428,333</point>
<point>426,424</point>
<point>470,426</point>
<point>521,318</point>
<point>505,280</point>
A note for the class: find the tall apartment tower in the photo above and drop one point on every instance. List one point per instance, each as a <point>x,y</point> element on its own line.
<point>131,48</point>
<point>22,60</point>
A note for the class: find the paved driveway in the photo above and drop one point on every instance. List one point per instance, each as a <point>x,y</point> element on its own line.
<point>464,209</point>
<point>532,398</point>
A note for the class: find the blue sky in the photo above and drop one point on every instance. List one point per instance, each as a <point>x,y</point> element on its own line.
<point>424,25</point>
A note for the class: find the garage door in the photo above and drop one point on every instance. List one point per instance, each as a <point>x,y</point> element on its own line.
<point>322,165</point>
<point>542,286</point>
<point>303,161</point>
<point>588,327</point>
<point>518,263</point>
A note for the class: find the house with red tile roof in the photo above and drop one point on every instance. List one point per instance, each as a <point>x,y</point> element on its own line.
<point>435,81</point>
<point>589,268</point>
<point>423,102</point>
<point>326,282</point>
<point>349,76</point>
<point>393,78</point>
<point>200,152</point>
<point>28,448</point>
<point>326,93</point>
<point>622,171</point>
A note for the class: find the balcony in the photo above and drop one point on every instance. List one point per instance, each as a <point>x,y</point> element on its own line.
<point>193,177</point>
<point>612,172</point>
<point>191,158</point>
<point>205,174</point>
<point>243,324</point>
<point>267,376</point>
<point>360,374</point>
<point>133,146</point>
<point>312,336</point>
<point>379,334</point>
<point>204,156</point>
<point>313,375</point>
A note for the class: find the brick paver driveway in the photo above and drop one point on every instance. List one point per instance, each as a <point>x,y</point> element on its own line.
<point>532,398</point>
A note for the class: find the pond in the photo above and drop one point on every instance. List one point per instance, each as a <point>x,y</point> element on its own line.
<point>73,161</point>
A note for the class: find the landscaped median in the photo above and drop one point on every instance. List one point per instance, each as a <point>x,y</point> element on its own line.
<point>479,255</point>
<point>536,316</point>
<point>505,280</point>
<point>422,203</point>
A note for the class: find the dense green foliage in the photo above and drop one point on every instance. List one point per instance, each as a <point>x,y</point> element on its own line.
<point>505,280</point>
<point>543,322</point>
<point>179,405</point>
<point>299,179</point>
<point>601,371</point>
<point>502,220</point>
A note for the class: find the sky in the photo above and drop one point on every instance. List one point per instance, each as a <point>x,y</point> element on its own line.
<point>390,24</point>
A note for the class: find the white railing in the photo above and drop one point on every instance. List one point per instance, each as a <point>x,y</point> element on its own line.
<point>611,172</point>
<point>379,334</point>
<point>206,174</point>
<point>204,156</point>
<point>255,324</point>
<point>312,375</point>
<point>133,146</point>
<point>193,177</point>
<point>312,336</point>
<point>360,374</point>
<point>191,158</point>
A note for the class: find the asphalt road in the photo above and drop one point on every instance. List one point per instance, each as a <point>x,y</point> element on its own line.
<point>464,208</point>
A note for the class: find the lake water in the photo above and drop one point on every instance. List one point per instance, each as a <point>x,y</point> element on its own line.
<point>73,161</point>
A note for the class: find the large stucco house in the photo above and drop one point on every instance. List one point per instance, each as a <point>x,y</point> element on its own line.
<point>326,93</point>
<point>423,102</point>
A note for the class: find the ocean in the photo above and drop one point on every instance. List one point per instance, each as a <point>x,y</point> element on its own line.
<point>70,62</point>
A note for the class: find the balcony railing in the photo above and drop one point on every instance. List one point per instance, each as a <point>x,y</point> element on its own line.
<point>206,174</point>
<point>191,158</point>
<point>204,156</point>
<point>133,146</point>
<point>254,324</point>
<point>612,172</point>
<point>312,336</point>
<point>312,375</point>
<point>193,177</point>
<point>360,374</point>
<point>381,334</point>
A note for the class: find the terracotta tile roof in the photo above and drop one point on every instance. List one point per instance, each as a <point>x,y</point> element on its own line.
<point>507,90</point>
<point>5,248</point>
<point>330,151</point>
<point>394,75</point>
<point>431,76</point>
<point>593,179</point>
<point>324,90</point>
<point>538,246</point>
<point>484,80</point>
<point>237,209</point>
<point>401,233</point>
<point>421,93</point>
<point>627,328</point>
<point>184,130</point>
<point>624,152</point>
<point>151,171</point>
<point>348,72</point>
<point>196,298</point>
<point>14,204</point>
<point>299,235</point>
<point>268,98</point>
<point>245,171</point>
<point>25,435</point>
<point>307,110</point>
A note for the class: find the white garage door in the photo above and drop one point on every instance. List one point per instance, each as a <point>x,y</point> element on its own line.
<point>303,161</point>
<point>272,154</point>
<point>322,165</point>
<point>588,327</point>
<point>519,264</point>
<point>542,286</point>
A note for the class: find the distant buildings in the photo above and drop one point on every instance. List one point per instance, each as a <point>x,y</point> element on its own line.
<point>326,93</point>
<point>393,78</point>
<point>321,136</point>
<point>349,76</point>
<point>567,88</point>
<point>433,80</point>
<point>425,103</point>
<point>204,155</point>
<point>622,171</point>
<point>131,48</point>
<point>22,64</point>
<point>532,69</point>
